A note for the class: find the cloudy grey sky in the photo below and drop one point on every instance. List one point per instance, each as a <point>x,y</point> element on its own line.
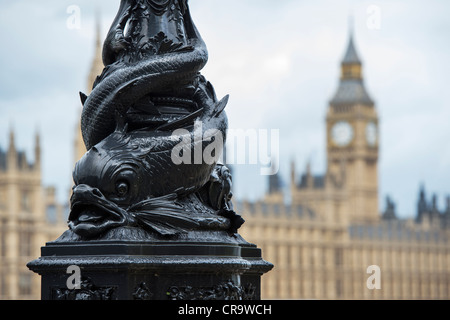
<point>278,60</point>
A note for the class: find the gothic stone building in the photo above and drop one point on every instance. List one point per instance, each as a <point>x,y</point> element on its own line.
<point>330,241</point>
<point>29,217</point>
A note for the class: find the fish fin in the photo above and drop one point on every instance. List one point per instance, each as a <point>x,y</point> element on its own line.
<point>121,125</point>
<point>220,106</point>
<point>148,107</point>
<point>174,219</point>
<point>211,90</point>
<point>120,92</point>
<point>163,216</point>
<point>83,98</point>
<point>165,222</point>
<point>127,86</point>
<point>178,123</point>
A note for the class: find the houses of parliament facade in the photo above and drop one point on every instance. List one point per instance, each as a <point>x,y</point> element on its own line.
<point>331,241</point>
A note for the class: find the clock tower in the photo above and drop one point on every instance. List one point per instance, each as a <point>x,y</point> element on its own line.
<point>353,141</point>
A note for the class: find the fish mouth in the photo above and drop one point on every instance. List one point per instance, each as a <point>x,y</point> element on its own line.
<point>92,213</point>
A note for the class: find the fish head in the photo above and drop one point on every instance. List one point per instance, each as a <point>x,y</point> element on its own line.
<point>108,179</point>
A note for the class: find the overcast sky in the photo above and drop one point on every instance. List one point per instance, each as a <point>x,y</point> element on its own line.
<point>278,60</point>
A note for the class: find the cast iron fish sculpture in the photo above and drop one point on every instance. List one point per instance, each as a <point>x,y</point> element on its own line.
<point>128,179</point>
<point>150,88</point>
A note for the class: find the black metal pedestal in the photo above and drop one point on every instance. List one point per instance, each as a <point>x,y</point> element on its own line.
<point>215,266</point>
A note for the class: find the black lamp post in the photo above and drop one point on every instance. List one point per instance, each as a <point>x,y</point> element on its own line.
<point>151,211</point>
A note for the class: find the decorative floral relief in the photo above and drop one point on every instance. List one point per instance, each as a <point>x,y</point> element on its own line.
<point>142,292</point>
<point>224,291</point>
<point>87,291</point>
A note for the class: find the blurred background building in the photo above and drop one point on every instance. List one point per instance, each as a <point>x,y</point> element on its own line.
<point>324,239</point>
<point>30,214</point>
<point>321,240</point>
<point>29,217</point>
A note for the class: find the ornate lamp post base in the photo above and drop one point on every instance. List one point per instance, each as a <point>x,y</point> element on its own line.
<point>213,267</point>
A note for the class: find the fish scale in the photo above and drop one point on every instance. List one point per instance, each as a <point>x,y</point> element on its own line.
<point>98,116</point>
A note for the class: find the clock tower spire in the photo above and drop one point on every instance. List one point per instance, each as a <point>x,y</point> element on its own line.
<point>352,139</point>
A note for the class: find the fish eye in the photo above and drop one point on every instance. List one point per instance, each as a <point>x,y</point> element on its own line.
<point>122,188</point>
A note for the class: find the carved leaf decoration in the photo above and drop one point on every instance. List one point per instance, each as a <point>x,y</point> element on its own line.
<point>223,291</point>
<point>162,44</point>
<point>142,48</point>
<point>88,291</point>
<point>142,292</point>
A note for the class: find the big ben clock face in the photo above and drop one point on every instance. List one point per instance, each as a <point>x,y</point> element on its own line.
<point>371,134</point>
<point>342,133</point>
